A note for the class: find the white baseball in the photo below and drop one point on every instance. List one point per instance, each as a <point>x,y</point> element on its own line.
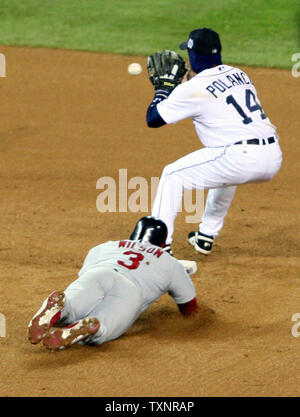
<point>135,68</point>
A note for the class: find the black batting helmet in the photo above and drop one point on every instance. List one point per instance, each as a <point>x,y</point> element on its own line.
<point>150,229</point>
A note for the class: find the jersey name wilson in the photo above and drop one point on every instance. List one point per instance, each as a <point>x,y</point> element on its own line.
<point>228,81</point>
<point>129,244</point>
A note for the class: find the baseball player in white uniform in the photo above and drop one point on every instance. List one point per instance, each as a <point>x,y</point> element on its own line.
<point>240,143</point>
<point>117,282</point>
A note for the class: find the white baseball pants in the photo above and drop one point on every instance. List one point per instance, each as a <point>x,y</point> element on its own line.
<point>219,170</point>
<point>106,294</point>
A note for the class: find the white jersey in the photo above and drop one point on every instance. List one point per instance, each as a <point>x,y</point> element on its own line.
<point>223,104</point>
<point>148,266</point>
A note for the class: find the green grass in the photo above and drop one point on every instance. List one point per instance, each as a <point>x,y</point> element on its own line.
<point>258,32</point>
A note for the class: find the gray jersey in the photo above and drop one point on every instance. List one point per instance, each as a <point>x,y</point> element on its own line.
<point>148,266</point>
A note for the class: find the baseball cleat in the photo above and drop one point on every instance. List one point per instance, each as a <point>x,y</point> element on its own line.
<point>202,243</point>
<point>61,338</point>
<point>46,317</point>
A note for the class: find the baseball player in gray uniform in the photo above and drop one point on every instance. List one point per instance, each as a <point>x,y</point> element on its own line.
<point>240,143</point>
<point>117,282</point>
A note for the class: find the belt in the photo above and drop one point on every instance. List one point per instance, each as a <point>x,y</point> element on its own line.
<point>256,141</point>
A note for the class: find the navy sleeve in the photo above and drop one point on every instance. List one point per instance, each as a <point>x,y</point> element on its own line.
<point>153,117</point>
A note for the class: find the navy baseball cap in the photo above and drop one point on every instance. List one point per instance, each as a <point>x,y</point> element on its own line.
<point>204,41</point>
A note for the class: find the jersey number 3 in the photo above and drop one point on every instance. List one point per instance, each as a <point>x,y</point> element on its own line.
<point>134,259</point>
<point>251,103</point>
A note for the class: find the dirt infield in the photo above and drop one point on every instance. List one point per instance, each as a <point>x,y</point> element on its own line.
<point>69,118</point>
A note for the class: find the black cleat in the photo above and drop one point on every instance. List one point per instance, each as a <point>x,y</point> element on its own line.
<point>202,243</point>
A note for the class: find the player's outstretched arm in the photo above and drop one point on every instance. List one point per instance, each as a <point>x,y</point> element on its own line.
<point>166,70</point>
<point>182,289</point>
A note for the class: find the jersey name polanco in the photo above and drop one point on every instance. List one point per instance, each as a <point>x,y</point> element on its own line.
<point>223,104</point>
<point>146,265</point>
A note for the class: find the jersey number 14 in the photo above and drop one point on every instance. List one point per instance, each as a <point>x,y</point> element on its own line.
<point>251,104</point>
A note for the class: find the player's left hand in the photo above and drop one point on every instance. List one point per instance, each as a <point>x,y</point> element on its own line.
<point>166,69</point>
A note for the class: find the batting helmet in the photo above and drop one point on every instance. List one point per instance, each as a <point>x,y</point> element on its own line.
<point>150,229</point>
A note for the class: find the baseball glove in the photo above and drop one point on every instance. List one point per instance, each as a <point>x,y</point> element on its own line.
<point>166,69</point>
